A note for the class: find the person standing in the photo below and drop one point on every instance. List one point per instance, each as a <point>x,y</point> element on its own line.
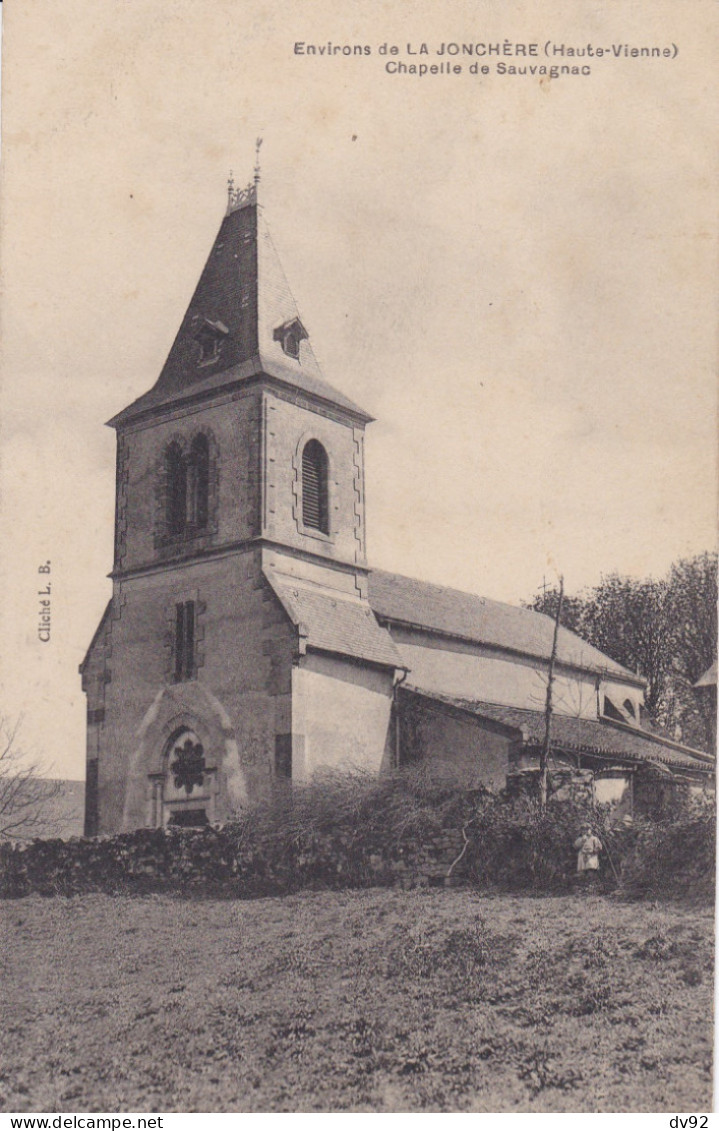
<point>588,847</point>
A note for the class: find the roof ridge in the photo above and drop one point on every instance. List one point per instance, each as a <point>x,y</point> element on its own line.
<point>486,600</point>
<point>392,601</point>
<point>443,588</point>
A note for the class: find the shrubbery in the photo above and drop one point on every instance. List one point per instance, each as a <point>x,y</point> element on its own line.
<point>514,844</point>
<point>357,831</point>
<point>674,858</point>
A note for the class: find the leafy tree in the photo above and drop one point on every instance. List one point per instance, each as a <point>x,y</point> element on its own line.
<point>664,630</point>
<point>573,608</point>
<point>692,607</point>
<point>692,612</point>
<point>627,619</point>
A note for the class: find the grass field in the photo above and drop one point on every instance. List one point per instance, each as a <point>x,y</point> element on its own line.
<point>355,1001</point>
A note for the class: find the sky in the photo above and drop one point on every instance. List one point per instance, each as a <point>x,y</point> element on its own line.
<point>514,274</point>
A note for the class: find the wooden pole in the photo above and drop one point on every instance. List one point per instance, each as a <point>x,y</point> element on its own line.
<point>546,744</point>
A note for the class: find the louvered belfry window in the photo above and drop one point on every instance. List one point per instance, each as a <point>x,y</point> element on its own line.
<point>315,508</point>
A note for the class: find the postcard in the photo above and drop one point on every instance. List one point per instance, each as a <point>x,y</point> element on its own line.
<point>358,428</point>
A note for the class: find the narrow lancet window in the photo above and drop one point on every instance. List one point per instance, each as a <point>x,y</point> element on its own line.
<point>198,482</point>
<point>184,641</point>
<point>176,472</point>
<point>187,485</point>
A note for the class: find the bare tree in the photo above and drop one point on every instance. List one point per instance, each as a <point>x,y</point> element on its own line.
<point>27,797</point>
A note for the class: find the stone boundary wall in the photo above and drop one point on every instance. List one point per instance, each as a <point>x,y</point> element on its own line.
<point>488,843</point>
<point>214,861</point>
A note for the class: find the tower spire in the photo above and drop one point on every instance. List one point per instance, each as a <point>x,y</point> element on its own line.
<point>242,319</point>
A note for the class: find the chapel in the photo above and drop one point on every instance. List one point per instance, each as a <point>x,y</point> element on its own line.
<point>248,645</point>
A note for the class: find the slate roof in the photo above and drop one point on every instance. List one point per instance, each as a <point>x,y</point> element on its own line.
<point>95,637</point>
<point>602,737</point>
<point>335,622</point>
<point>467,616</point>
<point>244,288</point>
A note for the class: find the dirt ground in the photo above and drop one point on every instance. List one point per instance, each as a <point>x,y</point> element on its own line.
<point>355,1001</point>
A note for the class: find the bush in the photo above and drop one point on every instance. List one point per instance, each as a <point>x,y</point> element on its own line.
<point>674,858</point>
<point>351,829</point>
<point>516,845</point>
<point>355,831</point>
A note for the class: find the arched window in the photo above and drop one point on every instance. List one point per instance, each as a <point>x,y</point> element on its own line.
<point>198,482</point>
<point>315,504</point>
<point>184,795</point>
<point>176,473</point>
<point>187,488</point>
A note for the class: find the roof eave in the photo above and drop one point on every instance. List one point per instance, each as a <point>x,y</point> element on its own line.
<point>530,741</point>
<point>344,405</point>
<point>255,371</point>
<point>355,659</point>
<point>620,756</point>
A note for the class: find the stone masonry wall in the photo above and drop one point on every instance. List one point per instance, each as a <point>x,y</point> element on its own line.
<point>216,862</point>
<point>238,702</point>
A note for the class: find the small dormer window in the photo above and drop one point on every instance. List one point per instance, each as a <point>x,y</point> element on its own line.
<point>289,335</point>
<point>209,347</point>
<point>209,336</point>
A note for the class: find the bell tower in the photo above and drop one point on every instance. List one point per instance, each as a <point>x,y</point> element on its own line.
<point>239,551</point>
<point>295,463</point>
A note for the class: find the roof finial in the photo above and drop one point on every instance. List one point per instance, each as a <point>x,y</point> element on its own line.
<point>243,197</point>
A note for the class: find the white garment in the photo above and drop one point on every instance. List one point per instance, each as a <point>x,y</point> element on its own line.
<point>588,847</point>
